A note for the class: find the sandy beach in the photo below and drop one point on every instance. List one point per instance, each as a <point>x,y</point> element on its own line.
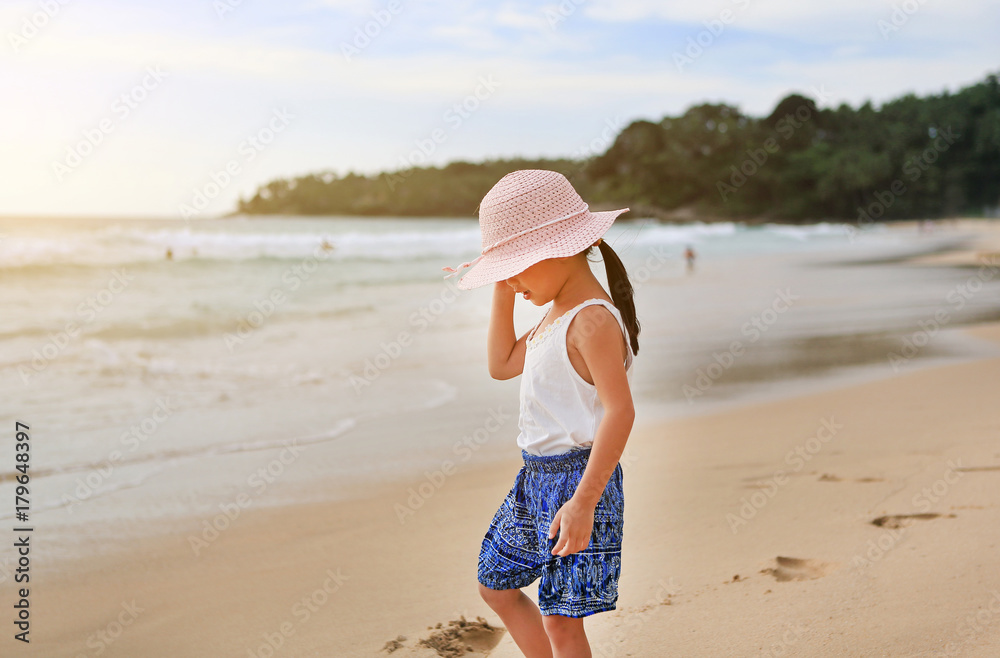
<point>860,520</point>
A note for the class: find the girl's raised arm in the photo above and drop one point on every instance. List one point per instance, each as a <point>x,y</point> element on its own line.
<point>504,353</point>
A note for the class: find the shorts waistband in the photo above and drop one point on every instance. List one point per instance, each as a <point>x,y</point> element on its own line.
<point>567,461</point>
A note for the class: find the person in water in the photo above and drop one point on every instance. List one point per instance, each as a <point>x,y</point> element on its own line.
<point>689,257</point>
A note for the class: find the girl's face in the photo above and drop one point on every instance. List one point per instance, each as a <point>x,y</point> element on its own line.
<point>541,281</point>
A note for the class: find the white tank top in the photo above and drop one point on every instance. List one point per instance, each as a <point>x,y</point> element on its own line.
<point>560,410</point>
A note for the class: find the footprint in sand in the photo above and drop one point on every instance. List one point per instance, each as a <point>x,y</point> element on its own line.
<point>459,638</point>
<point>793,568</point>
<point>893,521</point>
<point>828,477</point>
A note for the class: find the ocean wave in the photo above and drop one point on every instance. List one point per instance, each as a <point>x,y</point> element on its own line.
<point>120,246</point>
<point>168,328</point>
<point>803,233</point>
<point>681,233</point>
<point>350,240</point>
<point>438,393</point>
<point>165,456</point>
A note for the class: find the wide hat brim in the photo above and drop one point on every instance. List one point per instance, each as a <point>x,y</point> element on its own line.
<point>569,237</point>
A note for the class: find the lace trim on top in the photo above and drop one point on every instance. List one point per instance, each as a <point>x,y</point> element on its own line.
<point>534,340</point>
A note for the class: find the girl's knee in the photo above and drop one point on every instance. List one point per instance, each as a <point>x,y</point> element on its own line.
<point>498,597</point>
<point>560,627</point>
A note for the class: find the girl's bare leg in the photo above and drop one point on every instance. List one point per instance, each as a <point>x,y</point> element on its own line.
<point>522,618</point>
<point>567,636</point>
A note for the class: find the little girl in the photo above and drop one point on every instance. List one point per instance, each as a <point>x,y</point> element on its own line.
<point>562,520</point>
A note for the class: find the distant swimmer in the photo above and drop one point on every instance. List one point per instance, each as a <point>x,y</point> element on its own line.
<point>326,246</point>
<point>170,254</point>
<point>689,257</point>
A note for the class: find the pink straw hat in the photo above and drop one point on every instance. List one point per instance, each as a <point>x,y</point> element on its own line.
<point>530,215</point>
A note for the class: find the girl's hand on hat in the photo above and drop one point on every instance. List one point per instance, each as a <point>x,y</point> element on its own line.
<point>575,523</point>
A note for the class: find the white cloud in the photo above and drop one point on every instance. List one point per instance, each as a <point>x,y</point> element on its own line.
<point>467,36</point>
<point>822,22</point>
<point>510,15</point>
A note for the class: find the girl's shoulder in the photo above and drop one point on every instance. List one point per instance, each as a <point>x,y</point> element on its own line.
<point>592,306</point>
<point>598,315</point>
<point>590,310</point>
<point>594,311</point>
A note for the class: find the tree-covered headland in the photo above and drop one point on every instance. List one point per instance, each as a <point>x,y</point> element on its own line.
<point>913,157</point>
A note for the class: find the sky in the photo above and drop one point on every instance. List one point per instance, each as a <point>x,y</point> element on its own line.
<point>177,109</point>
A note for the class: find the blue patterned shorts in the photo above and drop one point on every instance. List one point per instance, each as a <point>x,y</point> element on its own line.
<point>516,549</point>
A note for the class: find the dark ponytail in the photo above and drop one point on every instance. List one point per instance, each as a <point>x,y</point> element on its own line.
<point>621,292</point>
